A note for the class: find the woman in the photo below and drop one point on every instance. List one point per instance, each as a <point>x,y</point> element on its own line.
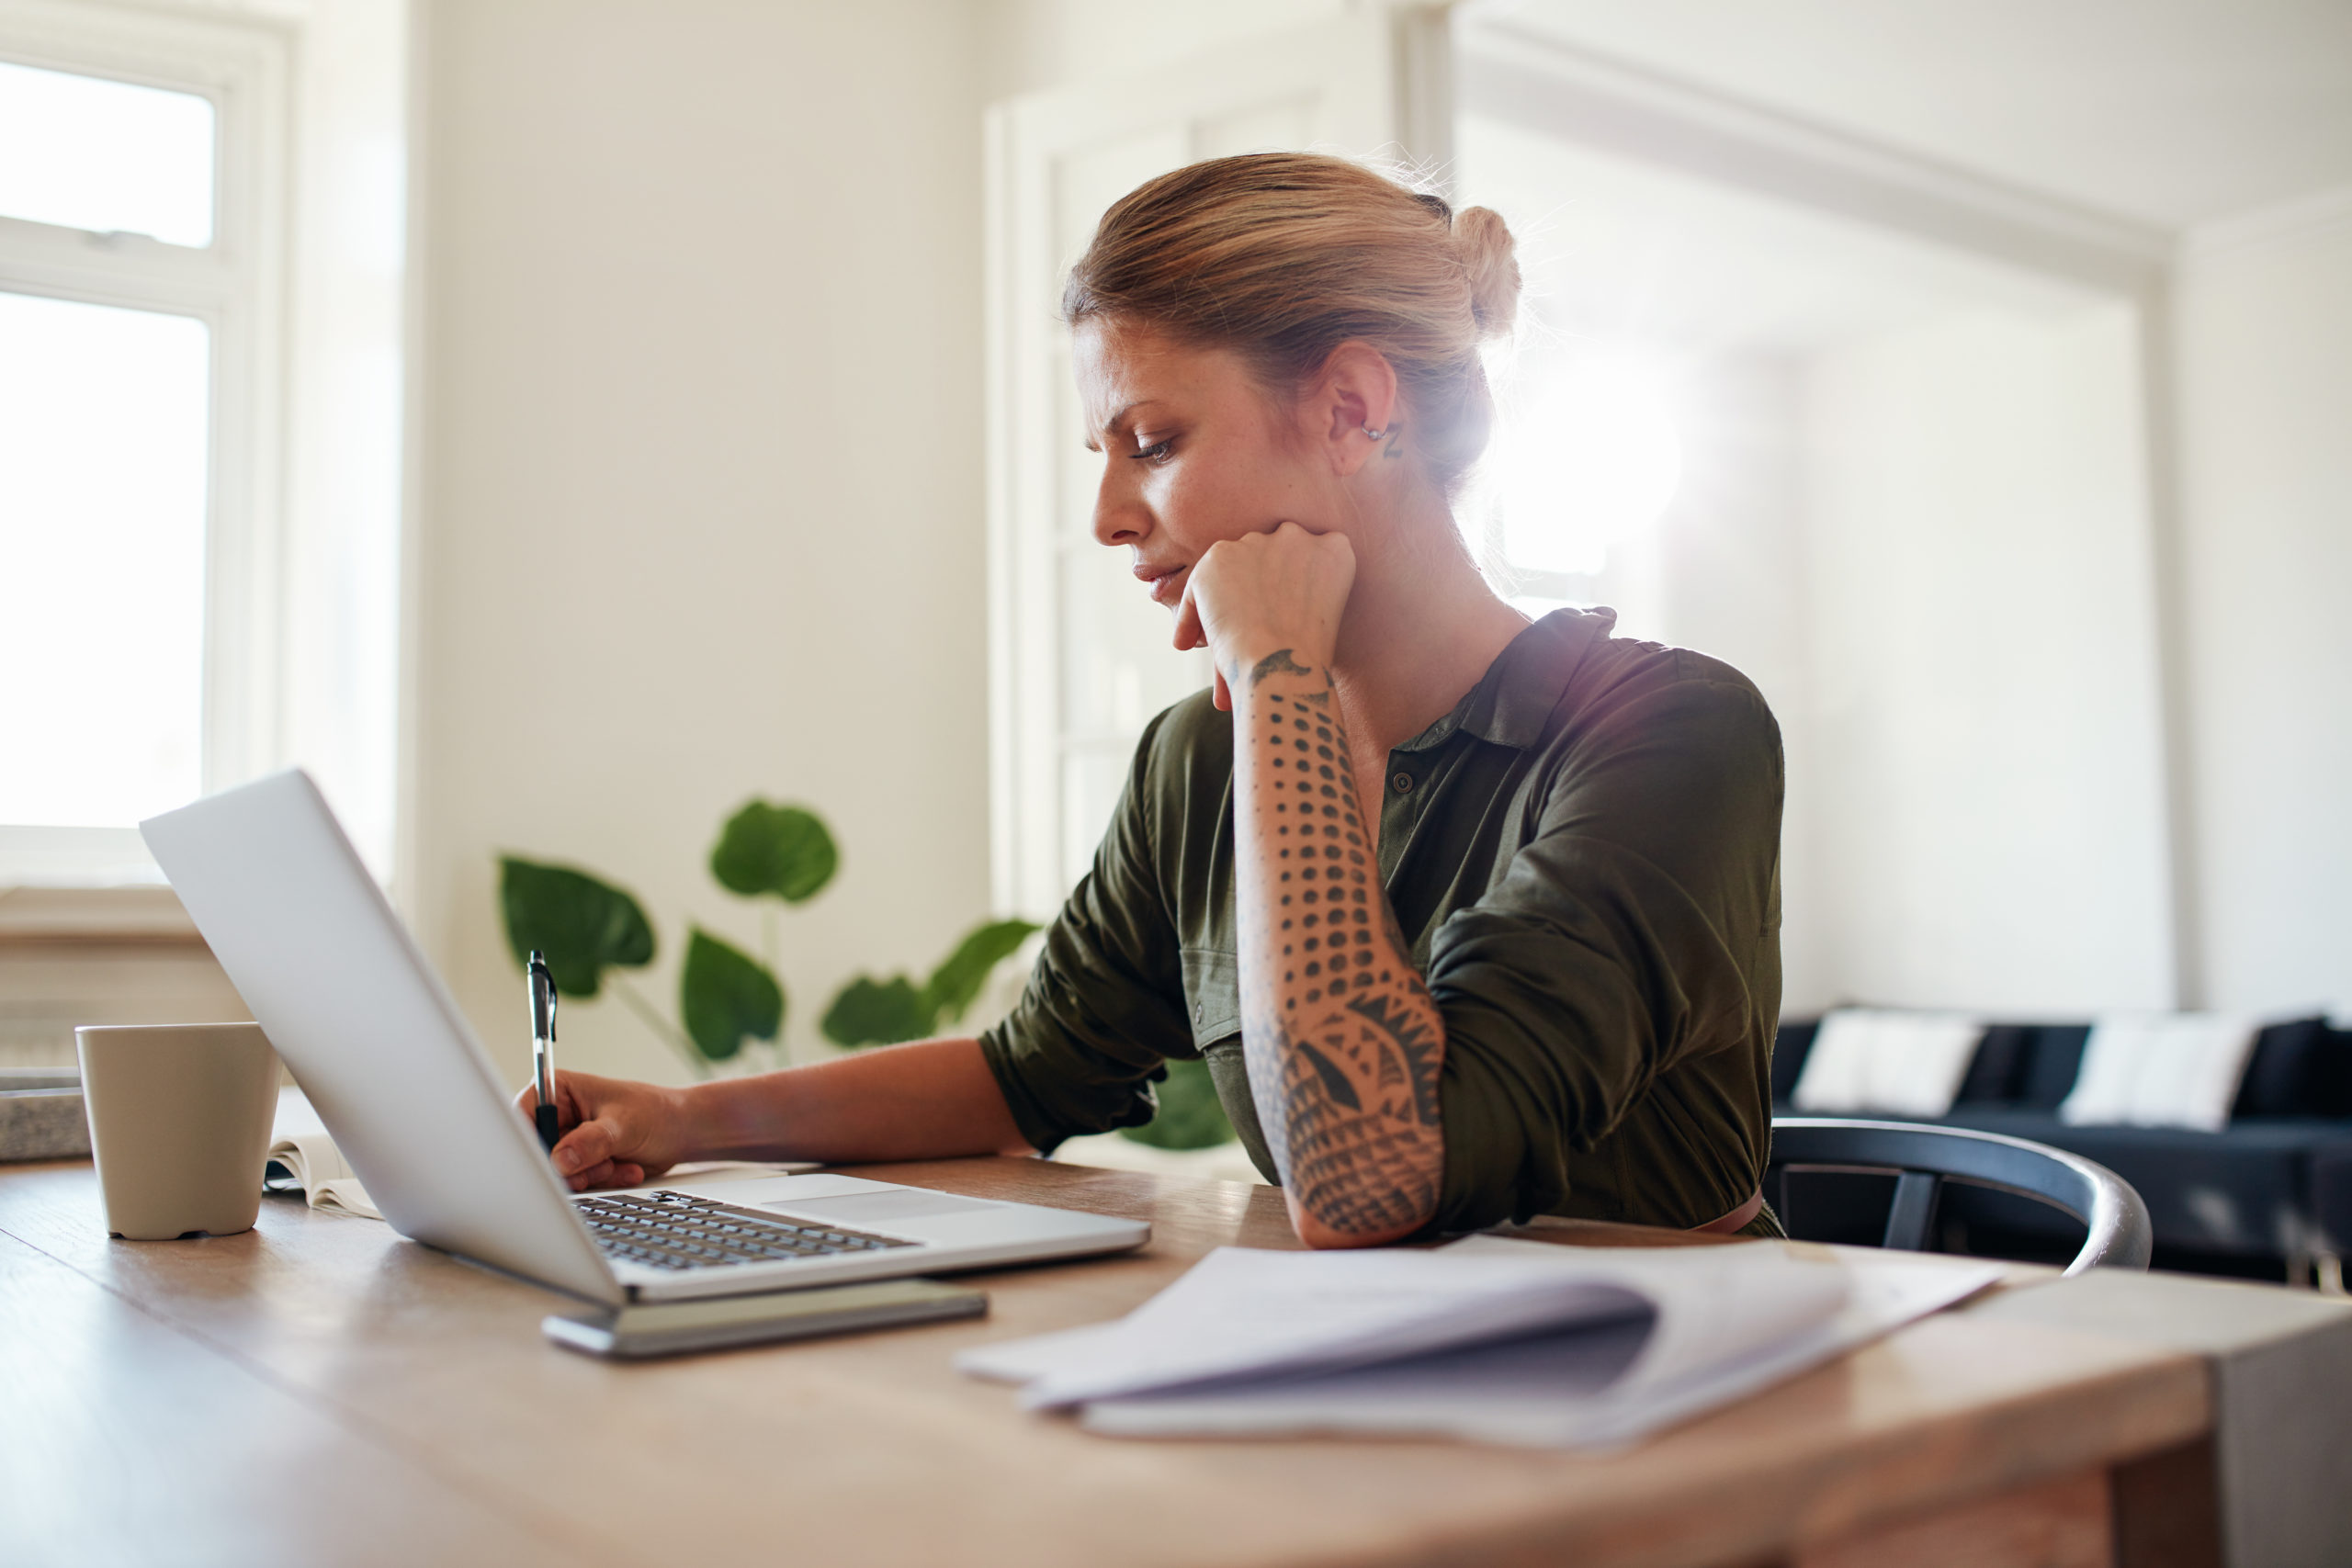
<point>1473,919</point>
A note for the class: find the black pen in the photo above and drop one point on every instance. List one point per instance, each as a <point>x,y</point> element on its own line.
<point>543,1046</point>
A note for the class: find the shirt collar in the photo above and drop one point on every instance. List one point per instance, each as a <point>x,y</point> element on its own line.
<point>1513,701</point>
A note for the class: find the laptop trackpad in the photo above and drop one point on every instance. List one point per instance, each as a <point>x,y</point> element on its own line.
<point>875,1208</point>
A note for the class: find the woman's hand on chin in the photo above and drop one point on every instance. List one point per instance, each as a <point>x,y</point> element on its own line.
<point>1264,595</point>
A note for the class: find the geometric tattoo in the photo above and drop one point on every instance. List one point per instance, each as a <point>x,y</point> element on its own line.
<point>1278,661</point>
<point>1343,1044</point>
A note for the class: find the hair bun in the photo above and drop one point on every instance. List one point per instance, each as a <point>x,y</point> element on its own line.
<point>1488,256</point>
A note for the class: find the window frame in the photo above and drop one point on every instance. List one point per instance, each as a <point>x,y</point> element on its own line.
<point>237,287</point>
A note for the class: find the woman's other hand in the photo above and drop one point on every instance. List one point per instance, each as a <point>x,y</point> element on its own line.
<point>615,1133</point>
<point>1263,593</point>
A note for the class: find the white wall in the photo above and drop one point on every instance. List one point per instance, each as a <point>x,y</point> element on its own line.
<point>701,509</point>
<point>1029,45</point>
<point>2264,332</point>
<point>1987,804</point>
<point>339,681</point>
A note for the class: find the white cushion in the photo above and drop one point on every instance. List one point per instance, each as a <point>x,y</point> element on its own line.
<point>1899,1062</point>
<point>2173,1070</point>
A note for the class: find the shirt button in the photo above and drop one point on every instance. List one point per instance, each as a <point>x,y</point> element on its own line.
<point>1402,782</point>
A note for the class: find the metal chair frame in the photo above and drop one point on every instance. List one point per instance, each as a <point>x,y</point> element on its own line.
<point>1922,1159</point>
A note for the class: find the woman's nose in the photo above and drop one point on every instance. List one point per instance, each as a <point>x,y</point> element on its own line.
<point>1120,516</point>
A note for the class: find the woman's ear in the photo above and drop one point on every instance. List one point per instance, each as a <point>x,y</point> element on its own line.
<point>1353,408</point>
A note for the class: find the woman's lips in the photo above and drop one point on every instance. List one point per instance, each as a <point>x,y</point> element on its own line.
<point>1167,587</point>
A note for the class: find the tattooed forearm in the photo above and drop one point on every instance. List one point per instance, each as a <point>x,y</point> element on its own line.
<point>1343,1041</point>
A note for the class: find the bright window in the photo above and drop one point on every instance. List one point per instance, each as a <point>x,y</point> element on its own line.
<point>200,484</point>
<point>141,426</point>
<point>104,428</point>
<point>88,152</point>
<point>1587,458</point>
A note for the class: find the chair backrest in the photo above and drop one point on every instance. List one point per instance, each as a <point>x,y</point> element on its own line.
<point>1922,1157</point>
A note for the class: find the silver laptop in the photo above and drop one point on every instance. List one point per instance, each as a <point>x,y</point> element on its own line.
<point>393,1071</point>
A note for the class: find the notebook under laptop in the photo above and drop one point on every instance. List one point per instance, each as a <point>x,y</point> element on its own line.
<point>397,1077</point>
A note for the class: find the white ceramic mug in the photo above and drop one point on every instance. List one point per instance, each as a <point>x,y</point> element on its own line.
<point>180,1116</point>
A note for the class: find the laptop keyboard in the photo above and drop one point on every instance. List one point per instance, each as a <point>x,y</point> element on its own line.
<point>674,1230</point>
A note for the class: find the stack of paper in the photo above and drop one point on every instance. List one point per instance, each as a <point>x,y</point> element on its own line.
<point>303,1158</point>
<point>1499,1340</point>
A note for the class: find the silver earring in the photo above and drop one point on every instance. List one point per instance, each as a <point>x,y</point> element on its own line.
<point>1375,434</point>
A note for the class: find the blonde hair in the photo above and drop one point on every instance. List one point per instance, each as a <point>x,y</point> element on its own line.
<point>1284,256</point>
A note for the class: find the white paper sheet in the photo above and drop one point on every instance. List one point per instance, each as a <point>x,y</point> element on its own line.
<point>1494,1339</point>
<point>1243,1313</point>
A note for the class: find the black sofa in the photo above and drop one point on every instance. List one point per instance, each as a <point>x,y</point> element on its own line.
<point>2270,1191</point>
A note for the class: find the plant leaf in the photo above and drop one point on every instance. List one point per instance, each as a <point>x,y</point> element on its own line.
<point>1191,1116</point>
<point>583,925</point>
<point>957,982</point>
<point>782,850</point>
<point>877,1013</point>
<point>725,998</point>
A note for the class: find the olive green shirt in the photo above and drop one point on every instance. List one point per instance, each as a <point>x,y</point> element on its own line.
<point>1585,857</point>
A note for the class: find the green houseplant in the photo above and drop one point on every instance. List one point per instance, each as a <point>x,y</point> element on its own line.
<point>592,930</point>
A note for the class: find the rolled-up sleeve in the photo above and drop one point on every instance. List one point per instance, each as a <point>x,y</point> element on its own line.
<point>1103,1008</point>
<point>1619,941</point>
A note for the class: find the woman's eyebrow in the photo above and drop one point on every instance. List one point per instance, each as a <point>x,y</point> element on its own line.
<point>1117,423</point>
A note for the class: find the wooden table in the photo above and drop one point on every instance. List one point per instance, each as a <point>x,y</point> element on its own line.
<point>321,1391</point>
